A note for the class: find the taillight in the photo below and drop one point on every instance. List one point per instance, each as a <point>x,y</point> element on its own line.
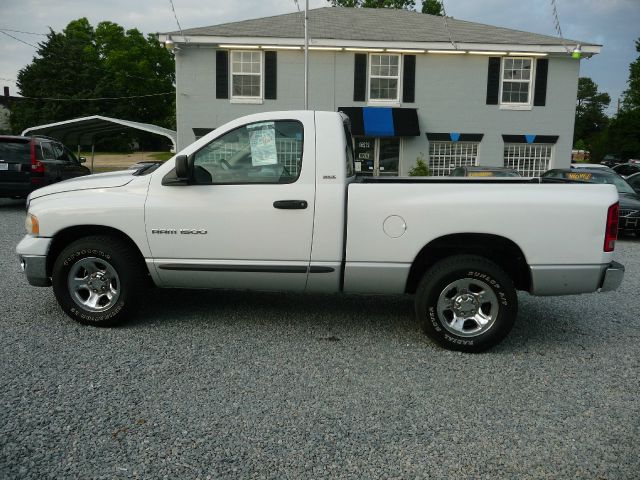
<point>37,167</point>
<point>611,232</point>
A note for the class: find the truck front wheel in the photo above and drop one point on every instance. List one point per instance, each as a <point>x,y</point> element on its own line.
<point>466,303</point>
<point>98,280</point>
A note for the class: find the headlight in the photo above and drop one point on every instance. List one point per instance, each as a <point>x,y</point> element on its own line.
<point>32,225</point>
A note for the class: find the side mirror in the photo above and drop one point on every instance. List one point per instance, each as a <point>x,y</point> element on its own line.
<point>183,168</point>
<point>82,160</point>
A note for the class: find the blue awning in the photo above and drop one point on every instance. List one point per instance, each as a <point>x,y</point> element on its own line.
<point>382,121</point>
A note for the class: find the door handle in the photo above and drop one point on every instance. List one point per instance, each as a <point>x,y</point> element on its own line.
<point>290,204</point>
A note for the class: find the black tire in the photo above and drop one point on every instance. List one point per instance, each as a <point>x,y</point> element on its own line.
<point>108,255</point>
<point>465,284</point>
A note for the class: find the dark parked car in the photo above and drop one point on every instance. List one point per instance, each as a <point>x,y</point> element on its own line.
<point>27,163</point>
<point>634,181</point>
<point>626,169</point>
<point>611,160</point>
<point>484,172</point>
<point>629,216</point>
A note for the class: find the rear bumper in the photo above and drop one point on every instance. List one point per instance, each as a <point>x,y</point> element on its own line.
<point>612,277</point>
<point>575,279</point>
<point>15,189</point>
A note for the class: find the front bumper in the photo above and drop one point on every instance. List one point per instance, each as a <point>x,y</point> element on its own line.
<point>35,268</point>
<point>612,277</point>
<point>32,253</point>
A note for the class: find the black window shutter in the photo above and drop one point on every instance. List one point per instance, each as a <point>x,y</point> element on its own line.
<point>222,74</point>
<point>409,79</point>
<point>270,75</point>
<point>540,91</point>
<point>493,81</point>
<point>360,78</point>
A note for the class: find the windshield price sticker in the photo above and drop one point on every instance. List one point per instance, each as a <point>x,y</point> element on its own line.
<point>262,137</point>
<point>481,174</point>
<point>583,176</point>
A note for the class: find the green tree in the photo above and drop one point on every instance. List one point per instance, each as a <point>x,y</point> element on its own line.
<point>623,135</point>
<point>433,7</point>
<point>590,116</point>
<point>85,62</point>
<point>631,98</point>
<point>402,4</point>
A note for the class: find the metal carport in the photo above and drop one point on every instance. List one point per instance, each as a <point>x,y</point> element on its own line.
<point>85,130</point>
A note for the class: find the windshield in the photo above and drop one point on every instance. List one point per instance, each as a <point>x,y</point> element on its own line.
<point>621,184</point>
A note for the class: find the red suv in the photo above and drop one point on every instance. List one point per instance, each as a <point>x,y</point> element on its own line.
<point>27,163</point>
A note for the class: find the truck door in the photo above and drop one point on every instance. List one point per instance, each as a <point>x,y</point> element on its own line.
<point>246,219</point>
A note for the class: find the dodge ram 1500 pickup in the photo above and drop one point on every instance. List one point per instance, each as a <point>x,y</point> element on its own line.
<point>272,201</point>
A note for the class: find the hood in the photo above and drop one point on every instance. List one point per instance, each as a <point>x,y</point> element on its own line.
<point>99,180</point>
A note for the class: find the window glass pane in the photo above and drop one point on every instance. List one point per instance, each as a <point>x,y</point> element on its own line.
<point>246,86</point>
<point>389,156</point>
<point>530,160</point>
<point>264,152</point>
<point>515,92</point>
<point>384,89</point>
<point>444,157</point>
<point>365,154</point>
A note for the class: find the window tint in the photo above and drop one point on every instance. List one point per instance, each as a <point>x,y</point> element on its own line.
<point>263,152</point>
<point>59,153</point>
<point>47,151</point>
<point>18,152</point>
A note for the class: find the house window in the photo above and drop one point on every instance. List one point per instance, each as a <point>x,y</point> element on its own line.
<point>384,78</point>
<point>516,81</point>
<point>246,75</point>
<point>445,156</point>
<point>529,159</point>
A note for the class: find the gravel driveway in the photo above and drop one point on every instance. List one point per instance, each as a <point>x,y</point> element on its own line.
<point>259,385</point>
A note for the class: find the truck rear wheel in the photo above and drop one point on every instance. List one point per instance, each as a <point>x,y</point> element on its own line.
<point>466,303</point>
<point>98,281</point>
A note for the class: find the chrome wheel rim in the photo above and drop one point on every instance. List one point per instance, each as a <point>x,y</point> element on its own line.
<point>94,284</point>
<point>467,307</point>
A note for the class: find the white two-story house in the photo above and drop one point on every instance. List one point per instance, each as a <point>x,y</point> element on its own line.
<point>450,91</point>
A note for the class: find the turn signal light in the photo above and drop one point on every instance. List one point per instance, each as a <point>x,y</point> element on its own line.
<point>32,225</point>
<point>611,231</point>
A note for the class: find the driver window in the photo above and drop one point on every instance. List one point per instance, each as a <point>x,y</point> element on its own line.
<point>263,152</point>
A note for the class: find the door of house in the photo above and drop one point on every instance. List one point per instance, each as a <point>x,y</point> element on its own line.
<point>377,156</point>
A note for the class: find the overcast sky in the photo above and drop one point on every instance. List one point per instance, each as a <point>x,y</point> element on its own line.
<point>612,23</point>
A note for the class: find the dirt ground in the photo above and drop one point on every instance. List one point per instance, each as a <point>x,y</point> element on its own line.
<point>106,162</point>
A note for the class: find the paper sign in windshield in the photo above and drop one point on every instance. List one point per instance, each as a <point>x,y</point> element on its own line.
<point>480,174</point>
<point>584,176</point>
<point>262,137</point>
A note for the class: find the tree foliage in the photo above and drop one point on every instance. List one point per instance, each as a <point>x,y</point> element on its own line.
<point>433,7</point>
<point>420,169</point>
<point>85,62</point>
<point>631,98</point>
<point>402,4</point>
<point>590,116</point>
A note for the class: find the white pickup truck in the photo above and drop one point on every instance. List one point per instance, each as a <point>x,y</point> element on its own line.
<point>272,202</point>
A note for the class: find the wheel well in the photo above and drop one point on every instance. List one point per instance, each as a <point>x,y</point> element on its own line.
<point>499,250</point>
<point>64,237</point>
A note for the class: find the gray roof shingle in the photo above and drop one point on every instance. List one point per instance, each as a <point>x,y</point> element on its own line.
<point>375,25</point>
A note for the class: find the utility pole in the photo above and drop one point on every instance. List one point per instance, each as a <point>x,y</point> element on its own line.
<point>306,55</point>
<point>618,112</point>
